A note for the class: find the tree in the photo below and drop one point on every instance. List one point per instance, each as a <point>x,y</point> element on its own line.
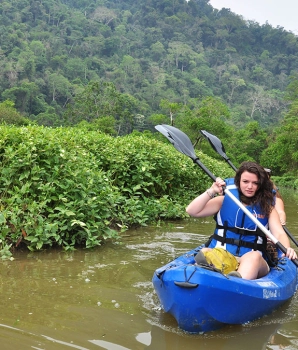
<point>101,99</point>
<point>48,118</point>
<point>59,87</point>
<point>104,15</point>
<point>12,70</point>
<point>157,50</point>
<point>235,82</point>
<point>209,114</point>
<point>23,96</point>
<point>282,155</point>
<point>9,115</point>
<point>105,125</point>
<point>171,108</point>
<point>292,89</point>
<point>248,143</point>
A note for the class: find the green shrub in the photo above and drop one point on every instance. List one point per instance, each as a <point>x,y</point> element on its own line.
<point>286,181</point>
<point>70,187</point>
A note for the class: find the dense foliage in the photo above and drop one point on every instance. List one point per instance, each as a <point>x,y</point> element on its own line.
<point>67,187</point>
<point>152,50</point>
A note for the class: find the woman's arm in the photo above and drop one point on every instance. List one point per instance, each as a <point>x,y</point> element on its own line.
<point>205,204</point>
<point>280,208</point>
<point>278,232</point>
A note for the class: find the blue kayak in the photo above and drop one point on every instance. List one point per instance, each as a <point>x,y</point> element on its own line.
<point>202,300</point>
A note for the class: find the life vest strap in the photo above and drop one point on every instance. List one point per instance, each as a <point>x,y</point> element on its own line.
<point>242,231</point>
<point>240,243</point>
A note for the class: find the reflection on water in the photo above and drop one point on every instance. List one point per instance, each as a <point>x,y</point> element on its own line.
<point>104,299</point>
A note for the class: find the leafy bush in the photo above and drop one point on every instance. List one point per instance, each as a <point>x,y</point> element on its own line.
<point>70,187</point>
<point>286,181</point>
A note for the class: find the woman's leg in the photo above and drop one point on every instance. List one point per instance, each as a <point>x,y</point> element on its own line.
<point>252,266</point>
<point>206,249</point>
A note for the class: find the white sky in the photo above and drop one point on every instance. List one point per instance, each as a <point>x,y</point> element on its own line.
<point>277,12</point>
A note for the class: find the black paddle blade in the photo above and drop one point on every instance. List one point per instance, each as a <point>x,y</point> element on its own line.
<point>178,139</point>
<point>183,144</point>
<point>215,143</point>
<point>164,131</point>
<point>218,147</point>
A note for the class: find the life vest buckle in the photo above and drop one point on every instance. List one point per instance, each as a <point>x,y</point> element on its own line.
<point>236,242</point>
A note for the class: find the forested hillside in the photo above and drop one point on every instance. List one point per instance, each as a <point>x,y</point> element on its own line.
<point>150,50</point>
<point>123,66</point>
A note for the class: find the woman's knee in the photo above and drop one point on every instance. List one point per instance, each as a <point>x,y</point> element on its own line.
<point>253,264</point>
<point>252,256</point>
<point>206,249</point>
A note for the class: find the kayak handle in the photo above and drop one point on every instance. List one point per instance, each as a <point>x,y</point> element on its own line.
<point>186,284</point>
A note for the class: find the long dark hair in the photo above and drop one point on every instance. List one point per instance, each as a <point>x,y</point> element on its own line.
<point>264,196</point>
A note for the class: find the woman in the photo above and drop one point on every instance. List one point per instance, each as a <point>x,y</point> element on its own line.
<point>234,231</point>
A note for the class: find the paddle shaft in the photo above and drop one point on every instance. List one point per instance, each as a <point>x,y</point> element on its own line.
<point>231,165</point>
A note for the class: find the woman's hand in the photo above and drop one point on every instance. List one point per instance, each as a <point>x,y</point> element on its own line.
<point>291,254</point>
<point>218,185</point>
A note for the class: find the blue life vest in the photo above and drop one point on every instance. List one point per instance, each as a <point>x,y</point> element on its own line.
<point>235,231</point>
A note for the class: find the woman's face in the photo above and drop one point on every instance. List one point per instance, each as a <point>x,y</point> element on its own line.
<point>249,184</point>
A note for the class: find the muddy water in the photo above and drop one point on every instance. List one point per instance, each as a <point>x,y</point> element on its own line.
<point>104,299</point>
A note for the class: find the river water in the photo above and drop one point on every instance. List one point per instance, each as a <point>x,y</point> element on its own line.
<point>104,298</point>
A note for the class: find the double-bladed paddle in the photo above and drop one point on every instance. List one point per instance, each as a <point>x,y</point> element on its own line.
<point>183,144</point>
<point>219,148</point>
